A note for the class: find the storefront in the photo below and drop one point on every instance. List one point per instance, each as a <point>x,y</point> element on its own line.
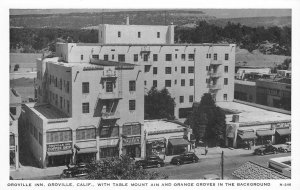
<point>59,154</point>
<point>156,147</point>
<point>178,146</point>
<point>282,135</point>
<point>244,138</point>
<point>109,148</point>
<point>265,136</point>
<point>132,146</point>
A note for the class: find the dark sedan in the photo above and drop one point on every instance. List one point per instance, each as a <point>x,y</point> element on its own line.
<point>266,149</point>
<point>185,158</point>
<point>79,170</point>
<point>152,161</point>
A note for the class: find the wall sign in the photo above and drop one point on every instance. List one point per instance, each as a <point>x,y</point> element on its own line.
<point>59,147</point>
<point>131,141</point>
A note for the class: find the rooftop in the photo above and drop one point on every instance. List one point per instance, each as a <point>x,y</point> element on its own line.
<point>250,115</point>
<point>203,44</point>
<point>161,126</point>
<point>47,111</point>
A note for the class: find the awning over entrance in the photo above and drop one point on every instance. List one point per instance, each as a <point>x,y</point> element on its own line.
<point>108,143</point>
<point>265,133</point>
<point>178,142</point>
<point>57,153</point>
<point>87,150</point>
<point>247,135</point>
<point>285,131</point>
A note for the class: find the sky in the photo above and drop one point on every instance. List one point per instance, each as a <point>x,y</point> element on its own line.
<point>219,13</point>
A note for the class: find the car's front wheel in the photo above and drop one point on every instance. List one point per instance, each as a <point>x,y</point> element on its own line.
<point>261,153</point>
<point>158,165</point>
<point>178,163</point>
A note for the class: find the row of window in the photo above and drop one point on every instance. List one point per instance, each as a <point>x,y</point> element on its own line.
<point>63,103</point>
<point>34,132</point>
<point>139,34</point>
<point>86,106</point>
<point>59,84</point>
<point>208,56</point>
<point>209,68</point>
<point>191,98</point>
<point>168,83</point>
<point>109,86</point>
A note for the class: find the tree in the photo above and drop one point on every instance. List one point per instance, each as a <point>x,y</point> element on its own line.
<point>159,104</point>
<point>120,168</point>
<point>208,121</point>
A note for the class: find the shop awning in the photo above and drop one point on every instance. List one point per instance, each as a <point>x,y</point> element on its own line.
<point>265,133</point>
<point>286,131</point>
<point>248,135</point>
<point>178,142</point>
<point>87,150</point>
<point>108,143</point>
<point>57,153</point>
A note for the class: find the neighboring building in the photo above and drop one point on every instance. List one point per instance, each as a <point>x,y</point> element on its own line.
<point>165,137</point>
<point>245,90</point>
<point>15,111</point>
<point>256,124</point>
<point>242,71</point>
<point>186,70</point>
<point>281,164</point>
<point>91,110</point>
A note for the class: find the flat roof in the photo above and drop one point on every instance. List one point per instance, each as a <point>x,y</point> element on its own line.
<point>47,111</point>
<point>110,63</point>
<point>250,115</point>
<point>129,44</point>
<point>162,125</point>
<point>245,82</point>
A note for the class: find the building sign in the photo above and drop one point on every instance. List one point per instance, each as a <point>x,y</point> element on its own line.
<point>59,147</point>
<point>131,141</point>
<point>281,125</point>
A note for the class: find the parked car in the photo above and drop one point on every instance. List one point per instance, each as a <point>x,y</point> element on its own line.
<point>184,158</point>
<point>79,170</point>
<point>151,161</point>
<point>266,149</point>
<point>286,147</point>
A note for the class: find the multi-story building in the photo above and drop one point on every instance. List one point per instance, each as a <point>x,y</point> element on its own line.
<point>86,111</point>
<point>15,111</point>
<point>186,70</point>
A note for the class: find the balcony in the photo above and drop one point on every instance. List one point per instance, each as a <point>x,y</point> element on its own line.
<point>214,74</point>
<point>109,73</point>
<point>214,86</point>
<point>110,115</point>
<point>216,62</point>
<point>110,95</point>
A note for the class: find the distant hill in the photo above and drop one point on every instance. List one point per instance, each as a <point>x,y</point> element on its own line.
<point>150,17</point>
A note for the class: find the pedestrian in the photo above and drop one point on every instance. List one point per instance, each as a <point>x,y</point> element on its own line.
<point>206,150</point>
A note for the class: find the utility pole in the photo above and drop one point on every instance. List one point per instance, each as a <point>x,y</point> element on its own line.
<point>222,165</point>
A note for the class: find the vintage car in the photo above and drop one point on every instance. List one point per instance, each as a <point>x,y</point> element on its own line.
<point>266,149</point>
<point>151,161</point>
<point>79,170</point>
<point>286,147</point>
<point>184,158</point>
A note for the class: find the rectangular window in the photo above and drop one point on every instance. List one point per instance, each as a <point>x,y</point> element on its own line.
<point>145,82</point>
<point>155,70</point>
<point>225,97</point>
<point>11,140</point>
<point>215,56</point>
<point>68,87</point>
<point>109,152</point>
<point>147,68</point>
<point>155,83</point>
<point>40,139</point>
<point>55,81</point>
<point>167,83</point>
<point>158,34</point>
<point>207,81</point>
<point>183,57</point>
<point>135,57</point>
<point>139,34</point>
<point>191,98</point>
<point>168,70</point>
<point>56,99</point>
<point>145,57</point>
<point>131,130</point>
<point>175,56</point>
<point>225,81</point>
<point>226,69</point>
<point>109,86</point>
<point>191,82</point>
<point>68,106</point>
<point>132,85</point>
<point>58,136</point>
<point>168,57</point>
<point>155,57</point>
<point>81,57</point>
<point>181,99</point>
<point>226,56</point>
<point>175,81</point>
<point>112,56</point>
<point>121,58</point>
<point>191,57</point>
<point>86,107</point>
<point>105,57</point>
<point>61,102</point>
<point>85,87</point>
<point>182,69</point>
<point>86,134</point>
<point>191,69</point>
<point>109,131</point>
<point>119,34</point>
<point>131,105</point>
<point>95,56</point>
<point>13,110</point>
<point>182,82</point>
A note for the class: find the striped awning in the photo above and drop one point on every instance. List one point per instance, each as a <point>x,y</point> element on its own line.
<point>265,133</point>
<point>178,142</point>
<point>247,135</point>
<point>57,153</point>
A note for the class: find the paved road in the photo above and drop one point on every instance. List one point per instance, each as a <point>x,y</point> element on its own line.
<point>212,165</point>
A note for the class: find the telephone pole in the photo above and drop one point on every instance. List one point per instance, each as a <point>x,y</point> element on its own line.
<point>222,165</point>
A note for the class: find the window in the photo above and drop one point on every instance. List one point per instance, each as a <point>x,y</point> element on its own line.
<point>109,86</point>
<point>168,83</point>
<point>55,81</point>
<point>61,102</point>
<point>175,69</point>
<point>147,68</point>
<point>225,97</point>
<point>121,58</point>
<point>13,110</point>
<point>155,58</point>
<point>105,57</point>
<point>112,56</point>
<point>145,57</point>
<point>207,68</point>
<point>85,87</point>
<point>175,56</point>
<point>68,87</point>
<point>56,99</point>
<point>139,34</point>
<point>191,98</point>
<point>226,69</point>
<point>191,57</point>
<point>181,99</point>
<point>215,56</point>
<point>155,83</point>
<point>95,56</point>
<point>12,140</point>
<point>158,34</point>
<point>59,136</point>
<point>86,107</point>
<point>119,34</point>
<point>131,105</point>
<point>132,85</point>
<point>183,57</point>
<point>168,57</point>
<point>40,138</point>
<point>109,131</point>
<point>35,133</point>
<point>175,81</point>
<point>207,81</point>
<point>68,106</point>
<point>191,82</point>
<point>226,56</point>
<point>81,57</point>
<point>168,70</point>
<point>182,69</point>
<point>155,70</point>
<point>109,152</point>
<point>182,82</point>
<point>135,57</point>
<point>85,134</point>
<point>209,55</point>
<point>191,69</point>
<point>145,82</point>
<point>225,81</point>
<point>131,129</point>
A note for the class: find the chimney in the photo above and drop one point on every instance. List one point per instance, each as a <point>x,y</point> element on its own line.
<point>127,20</point>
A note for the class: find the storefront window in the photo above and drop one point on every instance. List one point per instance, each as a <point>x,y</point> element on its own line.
<point>84,134</point>
<point>59,136</point>
<point>107,132</point>
<point>109,152</point>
